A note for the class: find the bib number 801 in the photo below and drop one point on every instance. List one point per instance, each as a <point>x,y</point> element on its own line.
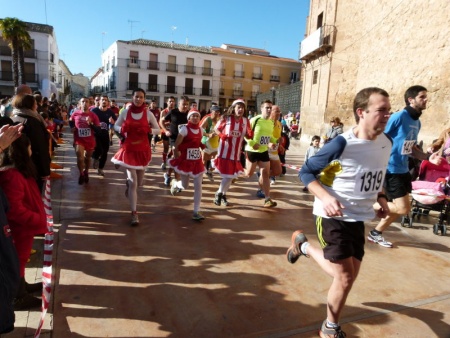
<point>371,181</point>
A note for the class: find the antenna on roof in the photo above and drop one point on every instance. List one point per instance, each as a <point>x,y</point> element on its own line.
<point>173,28</point>
<point>131,22</point>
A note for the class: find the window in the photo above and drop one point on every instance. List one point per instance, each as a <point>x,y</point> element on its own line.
<point>238,70</point>
<point>257,73</point>
<point>294,77</point>
<point>189,86</point>
<point>274,75</point>
<point>133,81</point>
<point>320,20</point>
<point>189,66</point>
<point>206,91</point>
<point>134,56</point>
<point>52,57</point>
<point>237,90</point>
<point>30,72</point>
<point>207,70</point>
<point>256,89</point>
<point>152,83</point>
<point>172,63</point>
<point>315,76</point>
<point>170,88</point>
<point>153,63</point>
<point>6,72</point>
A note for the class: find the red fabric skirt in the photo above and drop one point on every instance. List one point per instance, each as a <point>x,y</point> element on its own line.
<point>138,160</point>
<point>228,168</point>
<point>193,168</point>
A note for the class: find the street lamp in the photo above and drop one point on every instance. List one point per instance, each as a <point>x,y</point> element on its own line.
<point>273,90</point>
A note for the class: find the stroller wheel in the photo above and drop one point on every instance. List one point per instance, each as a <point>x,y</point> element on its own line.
<point>443,230</point>
<point>410,223</point>
<point>405,220</point>
<point>436,229</point>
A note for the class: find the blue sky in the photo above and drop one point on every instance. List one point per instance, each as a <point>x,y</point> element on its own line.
<point>84,27</point>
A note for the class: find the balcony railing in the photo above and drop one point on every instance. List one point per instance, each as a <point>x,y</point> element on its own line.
<point>172,67</point>
<point>6,76</point>
<point>133,85</point>
<point>169,89</point>
<point>30,53</point>
<point>239,73</point>
<point>133,63</point>
<point>153,65</point>
<point>257,76</point>
<point>153,88</point>
<point>238,93</point>
<point>31,78</point>
<point>207,71</point>
<point>317,43</point>
<point>206,92</point>
<point>274,78</point>
<point>189,69</point>
<point>254,95</point>
<point>188,91</point>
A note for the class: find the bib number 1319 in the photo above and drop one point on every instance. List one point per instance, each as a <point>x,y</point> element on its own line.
<point>370,181</point>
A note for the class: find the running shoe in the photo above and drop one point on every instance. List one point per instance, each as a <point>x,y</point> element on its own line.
<point>218,198</point>
<point>95,163</point>
<point>224,200</point>
<point>167,179</point>
<point>81,179</point>
<point>163,166</point>
<point>134,219</point>
<point>378,239</point>
<point>198,216</point>
<point>326,332</point>
<point>210,176</point>
<point>272,180</point>
<point>260,194</point>
<point>268,203</point>
<point>101,172</point>
<point>294,252</point>
<point>174,189</point>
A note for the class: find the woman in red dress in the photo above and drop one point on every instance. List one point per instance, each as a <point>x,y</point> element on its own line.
<point>187,160</point>
<point>134,124</point>
<point>232,129</point>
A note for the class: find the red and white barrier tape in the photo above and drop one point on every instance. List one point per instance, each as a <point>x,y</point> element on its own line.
<point>48,253</point>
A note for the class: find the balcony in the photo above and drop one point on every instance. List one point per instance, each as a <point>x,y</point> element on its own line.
<point>189,69</point>
<point>169,89</point>
<point>207,71</point>
<point>239,73</point>
<point>238,93</point>
<point>133,63</point>
<point>188,91</point>
<point>257,76</point>
<point>153,88</point>
<point>6,76</point>
<point>133,85</point>
<point>31,78</point>
<point>153,65</point>
<point>30,53</point>
<point>206,92</point>
<point>274,78</point>
<point>320,42</point>
<point>171,67</point>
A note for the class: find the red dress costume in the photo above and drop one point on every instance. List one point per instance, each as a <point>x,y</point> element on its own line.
<point>135,152</point>
<point>84,134</point>
<point>190,160</point>
<point>232,132</point>
<point>26,214</point>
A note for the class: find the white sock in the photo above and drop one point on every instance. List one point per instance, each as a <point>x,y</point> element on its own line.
<point>304,248</point>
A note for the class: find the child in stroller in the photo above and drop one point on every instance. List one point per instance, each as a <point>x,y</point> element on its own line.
<point>430,192</point>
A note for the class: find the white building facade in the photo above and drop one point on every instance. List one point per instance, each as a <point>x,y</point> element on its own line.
<point>43,70</point>
<point>162,69</point>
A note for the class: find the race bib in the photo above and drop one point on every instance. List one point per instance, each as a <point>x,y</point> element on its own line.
<point>264,140</point>
<point>369,182</point>
<point>84,132</point>
<point>193,154</point>
<point>407,147</point>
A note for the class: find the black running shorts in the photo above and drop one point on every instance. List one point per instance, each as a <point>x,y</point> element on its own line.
<point>254,156</point>
<point>340,239</point>
<point>397,185</point>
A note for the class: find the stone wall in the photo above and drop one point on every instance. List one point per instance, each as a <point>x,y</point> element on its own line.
<point>383,43</point>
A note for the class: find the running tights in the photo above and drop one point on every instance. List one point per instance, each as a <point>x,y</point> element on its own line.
<point>225,185</point>
<point>183,183</point>
<point>135,179</point>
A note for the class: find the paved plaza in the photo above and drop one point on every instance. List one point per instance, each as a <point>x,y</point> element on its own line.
<point>226,276</point>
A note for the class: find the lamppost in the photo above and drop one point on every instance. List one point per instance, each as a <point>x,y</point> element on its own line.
<point>274,91</point>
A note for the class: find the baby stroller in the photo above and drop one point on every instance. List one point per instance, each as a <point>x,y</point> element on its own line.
<point>294,131</point>
<point>430,192</point>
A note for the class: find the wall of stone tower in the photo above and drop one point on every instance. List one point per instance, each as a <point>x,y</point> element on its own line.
<point>383,43</point>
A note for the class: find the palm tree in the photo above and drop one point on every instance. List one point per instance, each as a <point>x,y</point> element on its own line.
<point>15,33</point>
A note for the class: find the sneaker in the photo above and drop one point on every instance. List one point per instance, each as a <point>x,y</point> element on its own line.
<point>117,166</point>
<point>86,176</point>
<point>218,198</point>
<point>174,189</point>
<point>326,332</point>
<point>167,179</point>
<point>134,219</point>
<point>95,163</point>
<point>260,194</point>
<point>294,252</point>
<point>210,176</point>
<point>101,172</point>
<point>198,216</point>
<point>224,200</point>
<point>81,179</point>
<point>163,166</point>
<point>272,180</point>
<point>305,189</point>
<point>378,239</point>
<point>268,203</point>
<point>27,302</point>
